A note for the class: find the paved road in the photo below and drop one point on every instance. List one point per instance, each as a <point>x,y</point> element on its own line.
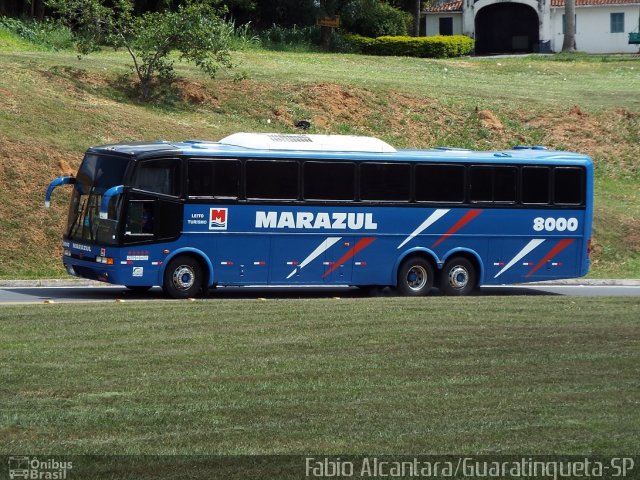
<point>100,293</point>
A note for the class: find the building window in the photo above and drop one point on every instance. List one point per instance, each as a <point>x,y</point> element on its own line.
<point>564,24</point>
<point>446,26</point>
<point>617,23</point>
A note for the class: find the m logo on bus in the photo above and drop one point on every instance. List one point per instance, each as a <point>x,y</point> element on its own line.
<point>218,218</point>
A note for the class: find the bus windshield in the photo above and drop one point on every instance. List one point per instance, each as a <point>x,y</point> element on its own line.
<point>97,174</point>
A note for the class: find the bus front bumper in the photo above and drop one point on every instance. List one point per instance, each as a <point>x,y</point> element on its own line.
<point>130,275</point>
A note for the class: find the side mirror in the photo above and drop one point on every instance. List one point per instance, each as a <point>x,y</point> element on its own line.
<point>106,198</point>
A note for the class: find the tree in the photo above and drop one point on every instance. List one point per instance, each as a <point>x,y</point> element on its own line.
<point>195,30</point>
<point>373,18</point>
<point>416,18</point>
<point>569,43</point>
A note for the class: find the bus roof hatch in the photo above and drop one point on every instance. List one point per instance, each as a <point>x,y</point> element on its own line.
<point>327,143</point>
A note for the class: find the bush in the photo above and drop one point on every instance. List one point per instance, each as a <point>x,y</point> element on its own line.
<point>48,34</point>
<point>439,46</point>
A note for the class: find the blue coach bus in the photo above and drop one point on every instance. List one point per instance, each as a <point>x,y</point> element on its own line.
<point>279,209</point>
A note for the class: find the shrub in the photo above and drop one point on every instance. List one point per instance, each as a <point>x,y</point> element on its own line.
<point>290,38</point>
<point>48,34</point>
<point>241,37</point>
<point>438,46</point>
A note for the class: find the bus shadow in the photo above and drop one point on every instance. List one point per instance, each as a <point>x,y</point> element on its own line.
<point>354,292</point>
<point>115,293</point>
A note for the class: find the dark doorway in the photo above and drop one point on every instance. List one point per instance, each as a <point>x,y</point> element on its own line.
<point>506,28</point>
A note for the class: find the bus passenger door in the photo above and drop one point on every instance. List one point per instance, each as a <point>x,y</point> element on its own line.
<point>149,221</point>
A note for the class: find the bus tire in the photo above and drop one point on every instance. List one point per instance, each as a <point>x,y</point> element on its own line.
<point>183,277</point>
<point>415,277</point>
<point>458,277</point>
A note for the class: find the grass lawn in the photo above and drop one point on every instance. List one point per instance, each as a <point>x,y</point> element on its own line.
<point>529,375</point>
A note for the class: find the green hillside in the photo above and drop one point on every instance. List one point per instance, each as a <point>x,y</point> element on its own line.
<point>53,106</point>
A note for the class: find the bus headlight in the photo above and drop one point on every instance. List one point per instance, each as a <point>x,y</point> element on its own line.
<point>105,260</point>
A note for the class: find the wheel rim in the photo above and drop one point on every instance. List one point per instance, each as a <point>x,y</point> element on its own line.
<point>183,277</point>
<point>458,277</point>
<point>417,277</point>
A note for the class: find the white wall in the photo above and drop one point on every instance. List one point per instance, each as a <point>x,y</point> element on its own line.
<point>593,29</point>
<point>433,25</point>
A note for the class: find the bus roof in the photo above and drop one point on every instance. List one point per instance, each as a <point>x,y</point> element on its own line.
<point>338,147</point>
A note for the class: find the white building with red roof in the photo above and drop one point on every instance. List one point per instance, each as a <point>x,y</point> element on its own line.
<point>515,26</point>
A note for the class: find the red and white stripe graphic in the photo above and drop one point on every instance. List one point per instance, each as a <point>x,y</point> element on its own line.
<point>470,215</point>
<point>433,218</point>
<point>529,247</point>
<point>320,249</point>
<point>561,245</point>
<point>362,244</point>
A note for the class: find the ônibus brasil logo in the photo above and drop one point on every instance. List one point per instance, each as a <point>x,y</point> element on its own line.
<point>218,218</point>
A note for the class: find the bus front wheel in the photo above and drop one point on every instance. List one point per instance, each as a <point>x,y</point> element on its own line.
<point>415,277</point>
<point>183,278</point>
<point>458,277</point>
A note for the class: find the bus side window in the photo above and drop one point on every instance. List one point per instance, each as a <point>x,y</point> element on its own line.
<point>385,181</point>
<point>329,181</point>
<point>200,178</point>
<point>272,179</point>
<point>504,184</point>
<point>226,178</point>
<point>568,185</point>
<point>493,184</point>
<point>140,218</point>
<point>481,184</point>
<point>439,183</point>
<point>535,185</point>
<point>214,178</point>
<point>159,176</point>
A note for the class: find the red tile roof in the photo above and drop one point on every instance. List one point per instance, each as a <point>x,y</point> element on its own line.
<point>454,6</point>
<point>584,3</point>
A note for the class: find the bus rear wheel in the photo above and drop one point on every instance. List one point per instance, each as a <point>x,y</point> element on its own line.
<point>458,277</point>
<point>183,278</point>
<point>415,277</point>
